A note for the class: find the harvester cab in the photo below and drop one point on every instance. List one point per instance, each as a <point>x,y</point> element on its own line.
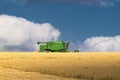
<point>53,46</point>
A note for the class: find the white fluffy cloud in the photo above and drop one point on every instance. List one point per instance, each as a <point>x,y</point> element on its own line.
<point>101,44</point>
<point>19,34</point>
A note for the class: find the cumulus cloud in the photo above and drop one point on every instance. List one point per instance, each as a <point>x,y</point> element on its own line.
<point>83,2</point>
<point>100,44</point>
<point>19,34</point>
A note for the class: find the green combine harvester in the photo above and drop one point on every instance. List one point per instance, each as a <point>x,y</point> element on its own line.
<point>53,46</point>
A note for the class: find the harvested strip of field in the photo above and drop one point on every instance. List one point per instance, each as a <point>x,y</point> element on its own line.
<point>89,66</point>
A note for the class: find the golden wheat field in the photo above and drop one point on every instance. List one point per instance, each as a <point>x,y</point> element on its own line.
<point>59,66</point>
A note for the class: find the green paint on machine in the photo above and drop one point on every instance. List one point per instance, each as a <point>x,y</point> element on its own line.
<point>53,46</point>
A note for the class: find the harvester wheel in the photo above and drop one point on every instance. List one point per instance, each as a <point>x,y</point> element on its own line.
<point>47,50</point>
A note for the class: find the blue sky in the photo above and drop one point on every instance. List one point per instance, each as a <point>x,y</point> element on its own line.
<point>75,21</point>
